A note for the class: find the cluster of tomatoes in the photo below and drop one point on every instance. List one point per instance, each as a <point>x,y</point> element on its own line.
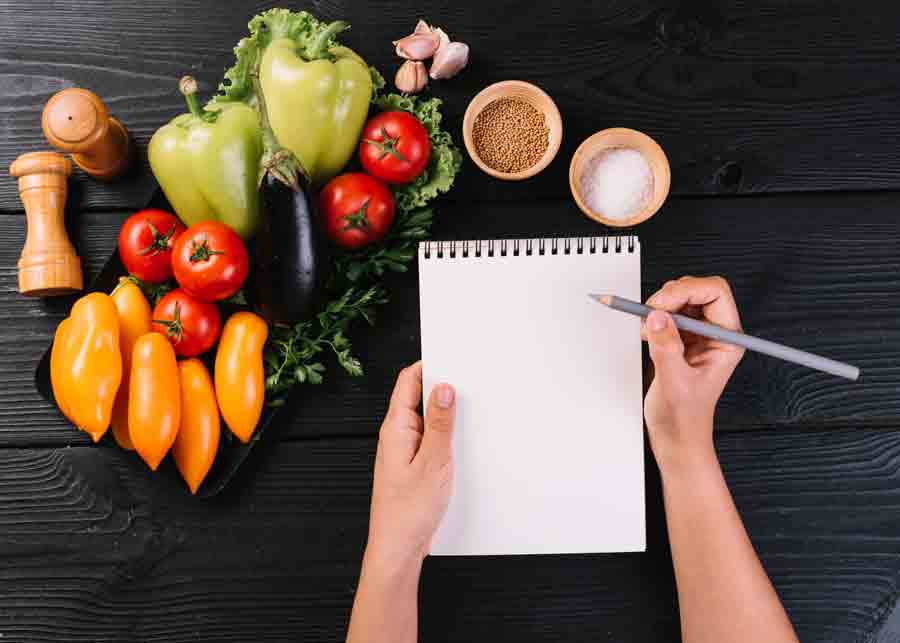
<point>208,261</point>
<point>358,207</point>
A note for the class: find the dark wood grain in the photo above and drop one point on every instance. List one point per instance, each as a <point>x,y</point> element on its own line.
<point>92,548</point>
<point>798,279</point>
<point>744,96</point>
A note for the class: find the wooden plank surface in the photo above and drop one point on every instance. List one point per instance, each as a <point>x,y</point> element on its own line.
<point>744,96</point>
<point>804,277</point>
<point>94,549</point>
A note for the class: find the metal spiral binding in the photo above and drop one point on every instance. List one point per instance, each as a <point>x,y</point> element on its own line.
<point>503,247</point>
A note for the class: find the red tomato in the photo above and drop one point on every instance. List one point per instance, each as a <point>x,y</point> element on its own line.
<point>210,261</point>
<point>192,326</point>
<point>357,210</point>
<point>145,244</point>
<point>394,147</point>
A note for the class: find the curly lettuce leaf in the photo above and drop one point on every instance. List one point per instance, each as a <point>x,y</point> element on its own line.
<point>300,26</point>
<point>446,159</point>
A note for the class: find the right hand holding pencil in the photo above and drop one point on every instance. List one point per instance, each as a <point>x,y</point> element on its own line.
<point>690,372</point>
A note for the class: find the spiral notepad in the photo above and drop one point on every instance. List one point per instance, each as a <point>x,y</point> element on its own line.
<point>548,448</point>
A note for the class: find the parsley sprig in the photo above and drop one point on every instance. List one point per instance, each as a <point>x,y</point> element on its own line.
<point>294,354</point>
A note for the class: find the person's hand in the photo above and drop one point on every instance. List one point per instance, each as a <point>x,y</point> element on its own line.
<point>690,372</point>
<point>413,471</point>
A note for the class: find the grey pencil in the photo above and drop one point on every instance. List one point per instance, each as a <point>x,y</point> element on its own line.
<point>749,342</point>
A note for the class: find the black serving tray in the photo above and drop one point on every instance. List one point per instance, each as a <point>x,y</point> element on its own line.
<point>232,452</point>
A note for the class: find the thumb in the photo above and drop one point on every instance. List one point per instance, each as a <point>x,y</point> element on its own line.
<point>439,419</point>
<point>666,347</point>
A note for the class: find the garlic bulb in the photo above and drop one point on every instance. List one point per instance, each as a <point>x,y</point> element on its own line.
<point>426,42</point>
<point>412,77</point>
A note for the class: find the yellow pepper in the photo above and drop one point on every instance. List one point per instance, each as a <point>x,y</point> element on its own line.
<point>86,365</point>
<point>134,321</point>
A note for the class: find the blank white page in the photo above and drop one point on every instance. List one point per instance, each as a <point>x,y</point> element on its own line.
<point>548,446</point>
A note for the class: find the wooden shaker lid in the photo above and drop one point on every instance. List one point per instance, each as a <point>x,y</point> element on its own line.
<point>40,163</point>
<point>76,120</point>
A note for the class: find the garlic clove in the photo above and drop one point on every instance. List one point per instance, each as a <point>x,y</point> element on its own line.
<point>417,46</point>
<point>412,77</point>
<point>449,60</point>
<point>422,27</point>
<point>443,38</point>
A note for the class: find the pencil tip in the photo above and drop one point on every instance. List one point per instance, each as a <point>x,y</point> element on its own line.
<point>603,299</point>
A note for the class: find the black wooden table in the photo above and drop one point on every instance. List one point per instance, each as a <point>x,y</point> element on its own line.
<point>782,124</point>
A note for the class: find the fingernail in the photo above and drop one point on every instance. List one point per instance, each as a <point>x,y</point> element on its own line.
<point>657,320</point>
<point>445,395</point>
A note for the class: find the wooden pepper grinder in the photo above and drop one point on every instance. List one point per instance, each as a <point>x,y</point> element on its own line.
<point>75,120</point>
<point>49,265</point>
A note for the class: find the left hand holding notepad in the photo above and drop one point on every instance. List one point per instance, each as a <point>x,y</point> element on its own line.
<point>413,471</point>
<point>690,372</point>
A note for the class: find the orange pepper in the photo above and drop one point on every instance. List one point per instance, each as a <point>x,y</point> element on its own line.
<point>134,321</point>
<point>198,436</point>
<point>240,384</point>
<point>86,365</point>
<point>154,398</point>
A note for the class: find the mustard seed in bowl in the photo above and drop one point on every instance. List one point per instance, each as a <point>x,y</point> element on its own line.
<point>510,135</point>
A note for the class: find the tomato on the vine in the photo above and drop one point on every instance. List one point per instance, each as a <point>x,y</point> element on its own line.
<point>357,210</point>
<point>145,244</point>
<point>210,261</point>
<point>191,325</point>
<point>394,147</point>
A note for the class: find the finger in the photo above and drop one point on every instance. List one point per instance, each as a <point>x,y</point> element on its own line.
<point>440,416</point>
<point>408,389</point>
<point>401,431</point>
<point>666,347</point>
<point>712,294</point>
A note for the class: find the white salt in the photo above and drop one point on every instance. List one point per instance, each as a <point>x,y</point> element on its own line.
<point>616,183</point>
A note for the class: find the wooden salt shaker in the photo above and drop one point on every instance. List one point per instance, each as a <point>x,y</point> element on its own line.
<point>75,120</point>
<point>49,265</point>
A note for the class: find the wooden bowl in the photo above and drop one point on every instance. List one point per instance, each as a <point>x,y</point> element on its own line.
<point>622,137</point>
<point>522,91</point>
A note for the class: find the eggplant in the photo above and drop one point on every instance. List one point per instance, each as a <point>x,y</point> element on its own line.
<point>292,255</point>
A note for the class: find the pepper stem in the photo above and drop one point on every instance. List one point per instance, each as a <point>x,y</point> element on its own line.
<point>318,47</point>
<point>188,87</point>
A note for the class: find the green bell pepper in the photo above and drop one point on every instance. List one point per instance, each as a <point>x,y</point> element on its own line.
<point>317,107</point>
<point>317,92</point>
<point>207,163</point>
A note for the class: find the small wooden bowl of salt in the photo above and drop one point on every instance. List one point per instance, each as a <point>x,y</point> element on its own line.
<point>619,177</point>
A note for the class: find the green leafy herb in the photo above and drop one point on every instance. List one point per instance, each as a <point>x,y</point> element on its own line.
<point>293,354</point>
